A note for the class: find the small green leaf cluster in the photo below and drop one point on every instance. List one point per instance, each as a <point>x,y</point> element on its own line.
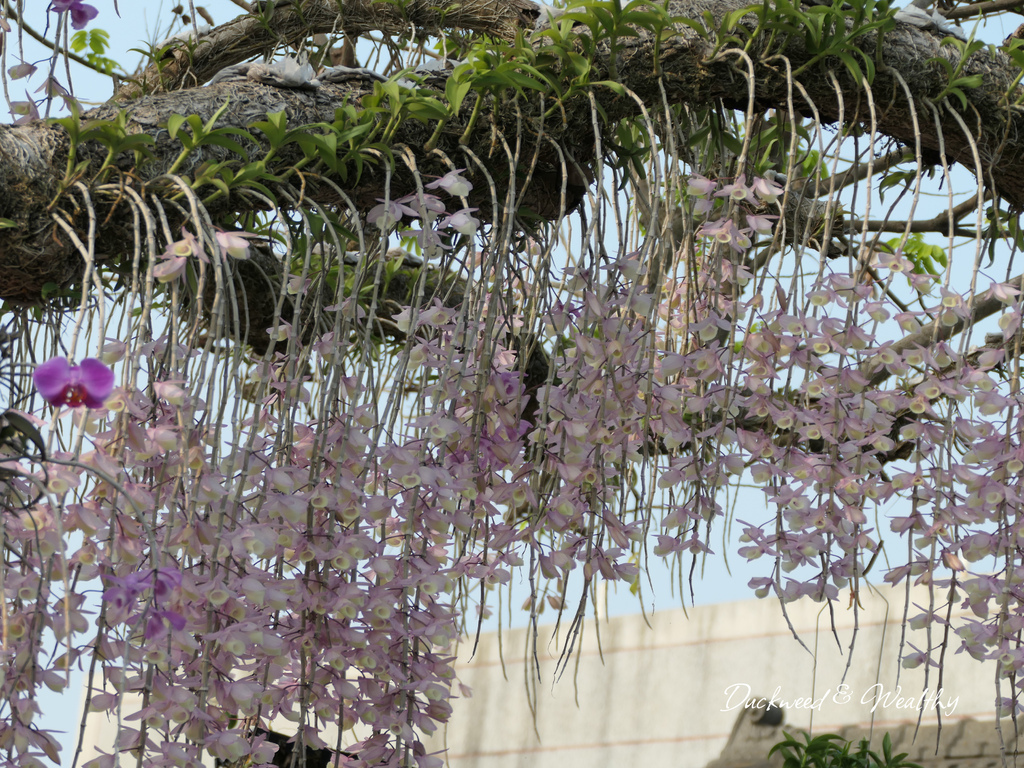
<point>340,147</point>
<point>957,81</point>
<point>112,134</point>
<point>200,134</point>
<point>895,177</point>
<point>833,751</point>
<point>729,31</point>
<point>502,70</point>
<point>160,55</point>
<point>498,70</point>
<point>399,104</point>
<point>609,21</point>
<point>631,145</point>
<point>1001,225</point>
<point>924,256</point>
<point>1015,50</point>
<point>828,31</point>
<point>92,44</point>
<point>487,71</point>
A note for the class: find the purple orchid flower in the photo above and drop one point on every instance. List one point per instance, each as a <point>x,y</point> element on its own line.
<point>162,580</point>
<point>61,383</point>
<point>159,621</point>
<point>698,186</point>
<point>738,191</point>
<point>81,13</point>
<point>165,581</point>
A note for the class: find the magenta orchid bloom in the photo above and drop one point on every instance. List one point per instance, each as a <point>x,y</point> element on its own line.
<point>61,383</point>
<point>81,13</point>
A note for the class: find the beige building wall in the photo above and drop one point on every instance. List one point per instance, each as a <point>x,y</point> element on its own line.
<point>670,693</point>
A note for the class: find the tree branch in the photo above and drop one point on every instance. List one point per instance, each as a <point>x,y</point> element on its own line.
<point>253,35</point>
<point>939,223</point>
<point>974,10</point>
<point>553,154</point>
<point>935,332</point>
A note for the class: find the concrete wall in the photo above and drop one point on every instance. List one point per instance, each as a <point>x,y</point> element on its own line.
<point>669,694</point>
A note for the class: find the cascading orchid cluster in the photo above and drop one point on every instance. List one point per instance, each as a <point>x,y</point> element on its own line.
<point>175,258</point>
<point>734,201</point>
<point>296,557</point>
<point>836,422</point>
<point>436,224</point>
<point>332,631</point>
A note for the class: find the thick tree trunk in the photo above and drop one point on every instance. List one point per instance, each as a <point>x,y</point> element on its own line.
<point>511,143</point>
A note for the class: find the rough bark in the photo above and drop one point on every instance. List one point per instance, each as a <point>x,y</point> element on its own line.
<point>553,154</point>
<point>185,65</point>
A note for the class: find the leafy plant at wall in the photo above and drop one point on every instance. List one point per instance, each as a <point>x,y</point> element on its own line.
<point>830,750</point>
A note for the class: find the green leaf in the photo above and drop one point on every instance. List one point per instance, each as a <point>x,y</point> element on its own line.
<point>209,126</point>
<point>971,81</point>
<point>99,41</point>
<point>174,123</point>
<point>455,89</point>
<point>19,425</point>
<point>731,19</point>
<point>951,91</point>
<point>580,65</point>
<point>426,109</point>
<point>79,41</point>
<point>613,86</point>
<point>699,137</point>
<point>851,65</point>
<point>274,128</point>
<point>220,139</point>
